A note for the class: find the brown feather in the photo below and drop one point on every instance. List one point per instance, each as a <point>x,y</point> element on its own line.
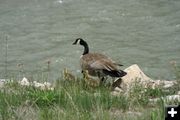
<point>95,62</point>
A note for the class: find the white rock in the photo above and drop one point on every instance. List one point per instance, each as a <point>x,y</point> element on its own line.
<point>43,86</point>
<point>47,84</point>
<point>24,82</point>
<point>115,93</point>
<point>2,82</point>
<point>173,97</point>
<point>154,100</point>
<point>134,73</point>
<point>166,98</point>
<point>117,89</point>
<point>51,88</point>
<point>38,85</point>
<point>134,113</point>
<point>168,84</point>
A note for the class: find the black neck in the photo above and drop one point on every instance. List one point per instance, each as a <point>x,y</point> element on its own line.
<point>86,48</point>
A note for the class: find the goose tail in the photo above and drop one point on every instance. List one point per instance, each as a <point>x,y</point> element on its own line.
<point>115,73</point>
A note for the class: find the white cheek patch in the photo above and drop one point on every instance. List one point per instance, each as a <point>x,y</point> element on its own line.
<point>78,42</point>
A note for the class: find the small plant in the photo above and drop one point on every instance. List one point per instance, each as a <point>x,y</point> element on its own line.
<point>137,95</point>
<point>42,98</point>
<point>154,93</point>
<point>158,114</point>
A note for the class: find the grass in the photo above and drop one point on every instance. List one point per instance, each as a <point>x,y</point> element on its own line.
<point>76,100</point>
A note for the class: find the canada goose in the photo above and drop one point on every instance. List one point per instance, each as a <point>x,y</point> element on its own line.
<point>98,64</point>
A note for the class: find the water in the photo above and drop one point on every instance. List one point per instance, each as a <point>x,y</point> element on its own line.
<point>145,32</point>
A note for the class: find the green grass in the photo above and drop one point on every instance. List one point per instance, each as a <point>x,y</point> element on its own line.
<point>76,100</point>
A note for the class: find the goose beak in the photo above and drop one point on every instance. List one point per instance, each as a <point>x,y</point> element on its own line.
<point>74,43</point>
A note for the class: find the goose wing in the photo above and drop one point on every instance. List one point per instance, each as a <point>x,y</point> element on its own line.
<point>107,68</point>
<point>103,64</point>
<point>101,56</point>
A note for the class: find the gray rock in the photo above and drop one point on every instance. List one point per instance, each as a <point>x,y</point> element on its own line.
<point>167,98</point>
<point>2,82</point>
<point>135,74</point>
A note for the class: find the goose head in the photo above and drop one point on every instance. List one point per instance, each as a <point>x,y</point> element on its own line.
<point>80,41</point>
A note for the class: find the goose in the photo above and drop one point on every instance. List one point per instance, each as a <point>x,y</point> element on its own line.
<point>98,64</point>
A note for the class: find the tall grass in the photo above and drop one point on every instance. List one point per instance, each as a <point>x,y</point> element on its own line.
<point>75,100</point>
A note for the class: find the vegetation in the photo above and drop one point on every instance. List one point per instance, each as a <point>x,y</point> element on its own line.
<point>76,100</point>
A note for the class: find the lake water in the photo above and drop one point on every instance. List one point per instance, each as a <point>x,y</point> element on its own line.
<point>145,32</point>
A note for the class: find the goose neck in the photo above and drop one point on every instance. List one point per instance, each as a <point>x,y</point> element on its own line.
<point>86,49</point>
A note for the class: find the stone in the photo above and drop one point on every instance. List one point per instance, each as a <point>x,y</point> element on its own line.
<point>117,89</point>
<point>173,97</point>
<point>47,84</point>
<point>38,85</point>
<point>167,98</point>
<point>134,113</point>
<point>2,82</point>
<point>134,73</point>
<point>168,84</point>
<point>115,93</point>
<point>24,82</point>
<point>43,86</point>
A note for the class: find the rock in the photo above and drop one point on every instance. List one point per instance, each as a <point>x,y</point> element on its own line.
<point>38,85</point>
<point>48,86</point>
<point>43,86</point>
<point>2,82</point>
<point>134,113</point>
<point>115,93</point>
<point>24,82</point>
<point>173,97</point>
<point>134,73</point>
<point>167,98</point>
<point>117,89</point>
<point>168,84</point>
